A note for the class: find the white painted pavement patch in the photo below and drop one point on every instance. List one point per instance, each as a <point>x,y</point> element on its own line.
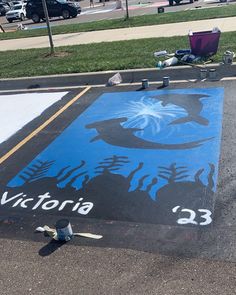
<point>88,12</point>
<point>131,7</point>
<point>19,109</point>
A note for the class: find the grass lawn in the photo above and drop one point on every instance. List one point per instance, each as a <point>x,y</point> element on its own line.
<point>144,20</point>
<point>120,55</point>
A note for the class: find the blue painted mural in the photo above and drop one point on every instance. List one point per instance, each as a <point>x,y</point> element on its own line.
<point>148,156</point>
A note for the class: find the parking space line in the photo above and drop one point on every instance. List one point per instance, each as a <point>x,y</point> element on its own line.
<point>157,83</point>
<point>42,126</point>
<point>42,89</point>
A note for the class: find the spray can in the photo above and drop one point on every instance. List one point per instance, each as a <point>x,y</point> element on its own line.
<point>64,230</point>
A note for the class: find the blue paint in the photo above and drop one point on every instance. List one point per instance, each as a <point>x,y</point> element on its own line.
<point>73,144</point>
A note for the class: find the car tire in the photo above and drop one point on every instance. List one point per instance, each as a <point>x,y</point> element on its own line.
<point>65,14</point>
<point>35,18</point>
<point>171,2</point>
<point>22,17</point>
<point>10,21</point>
<point>178,2</point>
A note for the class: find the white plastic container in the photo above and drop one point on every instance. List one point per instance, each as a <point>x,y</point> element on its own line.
<point>160,53</point>
<point>170,62</point>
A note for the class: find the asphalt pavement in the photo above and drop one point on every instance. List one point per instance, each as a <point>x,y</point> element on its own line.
<point>137,255</point>
<point>109,11</point>
<point>91,270</point>
<point>189,249</point>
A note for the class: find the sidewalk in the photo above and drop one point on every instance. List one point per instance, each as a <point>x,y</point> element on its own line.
<point>166,30</point>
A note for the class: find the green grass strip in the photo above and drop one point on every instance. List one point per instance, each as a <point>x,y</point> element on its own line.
<point>144,20</point>
<point>120,55</point>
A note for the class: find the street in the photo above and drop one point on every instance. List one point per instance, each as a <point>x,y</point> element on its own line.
<point>109,11</point>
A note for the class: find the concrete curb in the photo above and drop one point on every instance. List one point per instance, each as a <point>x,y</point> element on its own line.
<point>101,78</point>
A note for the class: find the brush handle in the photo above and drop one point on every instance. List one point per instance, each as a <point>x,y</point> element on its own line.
<point>88,235</point>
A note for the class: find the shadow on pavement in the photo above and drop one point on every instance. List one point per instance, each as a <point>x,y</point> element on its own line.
<point>213,242</point>
<point>51,247</point>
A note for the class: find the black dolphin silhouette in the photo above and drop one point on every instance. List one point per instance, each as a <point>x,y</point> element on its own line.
<point>190,102</point>
<point>113,133</point>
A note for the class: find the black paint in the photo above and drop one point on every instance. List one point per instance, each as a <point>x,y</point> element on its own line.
<point>111,132</point>
<point>190,102</point>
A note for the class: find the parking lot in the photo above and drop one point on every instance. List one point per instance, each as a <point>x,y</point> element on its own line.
<point>109,11</point>
<point>71,158</point>
<point>142,168</point>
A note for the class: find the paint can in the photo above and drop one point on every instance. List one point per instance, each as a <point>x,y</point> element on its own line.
<point>166,81</point>
<point>145,83</point>
<point>160,9</point>
<point>64,230</point>
<point>228,57</point>
<point>203,74</point>
<point>212,74</point>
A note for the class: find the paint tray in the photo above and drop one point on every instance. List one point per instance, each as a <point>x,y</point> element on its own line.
<point>204,43</point>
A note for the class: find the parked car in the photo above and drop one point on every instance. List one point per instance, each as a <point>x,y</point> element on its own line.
<point>17,13</point>
<point>9,3</point>
<point>16,2</point>
<point>66,9</point>
<point>171,2</point>
<point>4,8</point>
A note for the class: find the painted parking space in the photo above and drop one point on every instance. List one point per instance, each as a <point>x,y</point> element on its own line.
<point>27,107</point>
<point>122,155</point>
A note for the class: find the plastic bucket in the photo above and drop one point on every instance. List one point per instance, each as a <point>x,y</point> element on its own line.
<point>204,43</point>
